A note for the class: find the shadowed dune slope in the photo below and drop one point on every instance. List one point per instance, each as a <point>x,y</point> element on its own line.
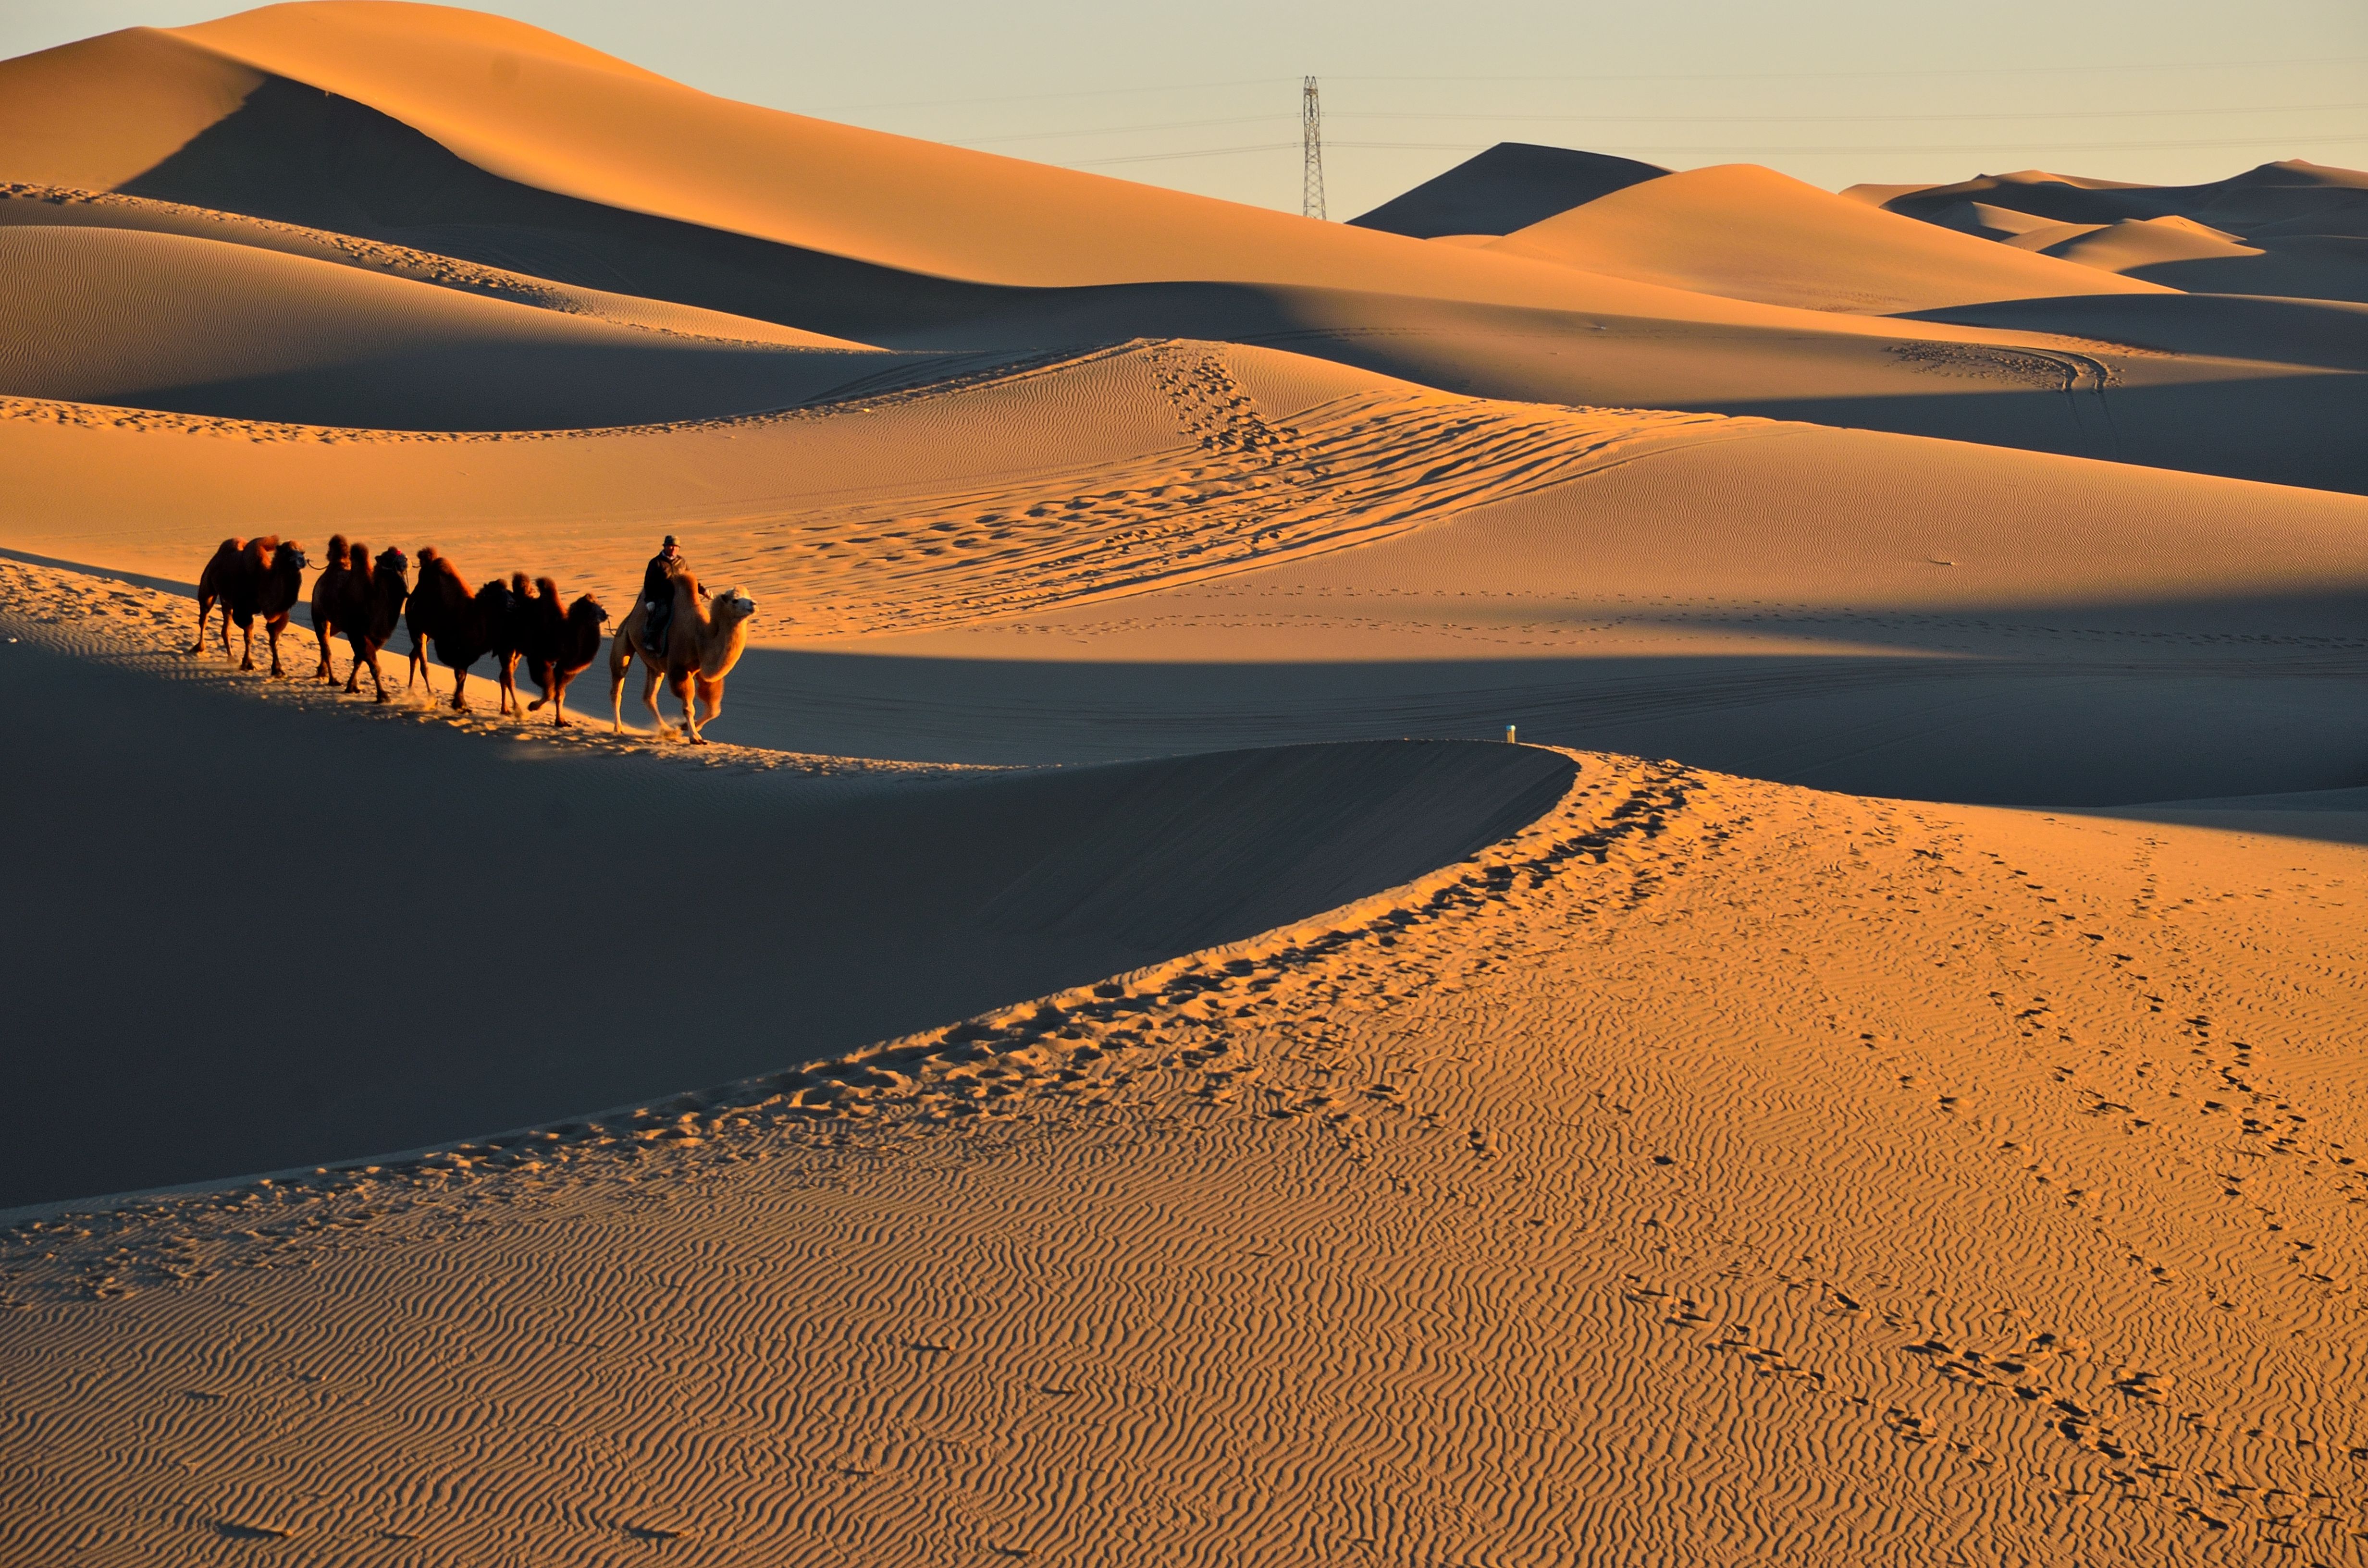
<point>1509,186</point>
<point>192,326</point>
<point>1749,233</point>
<point>59,206</point>
<point>543,933</point>
<point>2288,197</point>
<point>1715,1173</point>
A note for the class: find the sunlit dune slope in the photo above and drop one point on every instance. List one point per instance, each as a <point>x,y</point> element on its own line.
<point>1750,233</point>
<point>1714,1172</point>
<point>443,132</point>
<point>192,325</point>
<point>530,111</point>
<point>1509,186</point>
<point>1134,551</point>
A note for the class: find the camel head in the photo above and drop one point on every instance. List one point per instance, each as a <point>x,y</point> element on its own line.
<point>731,607</point>
<point>290,556</point>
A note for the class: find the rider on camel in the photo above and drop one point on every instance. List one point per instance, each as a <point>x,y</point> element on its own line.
<point>657,597</point>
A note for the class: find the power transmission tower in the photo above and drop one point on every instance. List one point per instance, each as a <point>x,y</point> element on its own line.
<point>1311,138</point>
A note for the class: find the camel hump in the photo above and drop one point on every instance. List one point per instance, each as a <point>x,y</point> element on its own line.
<point>547,588</point>
<point>264,543</point>
<point>427,553</point>
<point>518,584</point>
<point>230,547</point>
<point>336,547</point>
<point>357,555</point>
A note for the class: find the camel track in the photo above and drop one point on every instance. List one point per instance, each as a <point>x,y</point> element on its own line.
<point>1569,1167</point>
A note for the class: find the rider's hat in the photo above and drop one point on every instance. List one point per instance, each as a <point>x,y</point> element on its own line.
<point>669,538</point>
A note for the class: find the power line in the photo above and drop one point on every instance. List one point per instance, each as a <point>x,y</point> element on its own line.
<point>1728,148</point>
<point>1622,76</point>
<point>1650,120</point>
<point>1039,97</point>
<point>1120,130</point>
<point>1975,149</point>
<point>1853,119</point>
<point>1956,70</point>
<point>1196,153</point>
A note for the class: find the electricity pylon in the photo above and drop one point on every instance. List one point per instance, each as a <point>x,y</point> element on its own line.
<point>1310,137</point>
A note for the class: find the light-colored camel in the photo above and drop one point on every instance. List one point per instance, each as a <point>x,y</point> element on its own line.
<point>703,641</point>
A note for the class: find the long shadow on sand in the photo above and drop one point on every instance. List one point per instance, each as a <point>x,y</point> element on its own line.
<point>2074,729</point>
<point>240,936</point>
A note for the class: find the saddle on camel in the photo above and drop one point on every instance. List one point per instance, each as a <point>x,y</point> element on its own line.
<point>250,579</point>
<point>701,643</point>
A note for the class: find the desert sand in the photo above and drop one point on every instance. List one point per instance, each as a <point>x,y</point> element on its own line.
<point>1111,1057</point>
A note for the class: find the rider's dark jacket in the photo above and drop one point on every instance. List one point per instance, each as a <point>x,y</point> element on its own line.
<point>658,582</point>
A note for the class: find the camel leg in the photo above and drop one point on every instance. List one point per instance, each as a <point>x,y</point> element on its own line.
<point>557,697</point>
<point>710,692</point>
<point>271,630</point>
<point>418,663</point>
<point>650,701</point>
<point>327,668</point>
<point>375,679</point>
<point>246,639</point>
<point>459,691</point>
<point>353,676</point>
<point>509,689</point>
<point>620,654</point>
<point>680,686</point>
<point>205,608</point>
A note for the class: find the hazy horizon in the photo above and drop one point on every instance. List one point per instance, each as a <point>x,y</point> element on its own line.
<point>1207,101</point>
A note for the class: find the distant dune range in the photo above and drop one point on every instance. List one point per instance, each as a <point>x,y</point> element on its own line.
<point>2293,228</point>
<point>465,136</point>
<point>1098,1064</point>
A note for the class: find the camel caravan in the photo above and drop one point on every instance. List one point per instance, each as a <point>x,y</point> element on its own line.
<point>681,634</point>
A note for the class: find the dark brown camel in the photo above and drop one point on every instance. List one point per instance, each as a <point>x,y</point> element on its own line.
<point>419,614</point>
<point>259,577</point>
<point>462,626</point>
<point>337,595</point>
<point>379,610</point>
<point>560,644</point>
<point>506,630</point>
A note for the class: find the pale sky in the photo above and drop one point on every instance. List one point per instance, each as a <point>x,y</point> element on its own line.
<point>1205,97</point>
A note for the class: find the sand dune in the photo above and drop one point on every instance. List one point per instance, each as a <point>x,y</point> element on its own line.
<point>1096,1065</point>
<point>1752,234</point>
<point>1982,1188</point>
<point>1195,545</point>
<point>2293,229</point>
<point>52,206</point>
<point>1509,186</point>
<point>438,132</point>
<point>164,321</point>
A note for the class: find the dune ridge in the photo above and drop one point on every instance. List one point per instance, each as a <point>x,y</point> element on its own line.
<point>1111,1056</point>
<point>1748,233</point>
